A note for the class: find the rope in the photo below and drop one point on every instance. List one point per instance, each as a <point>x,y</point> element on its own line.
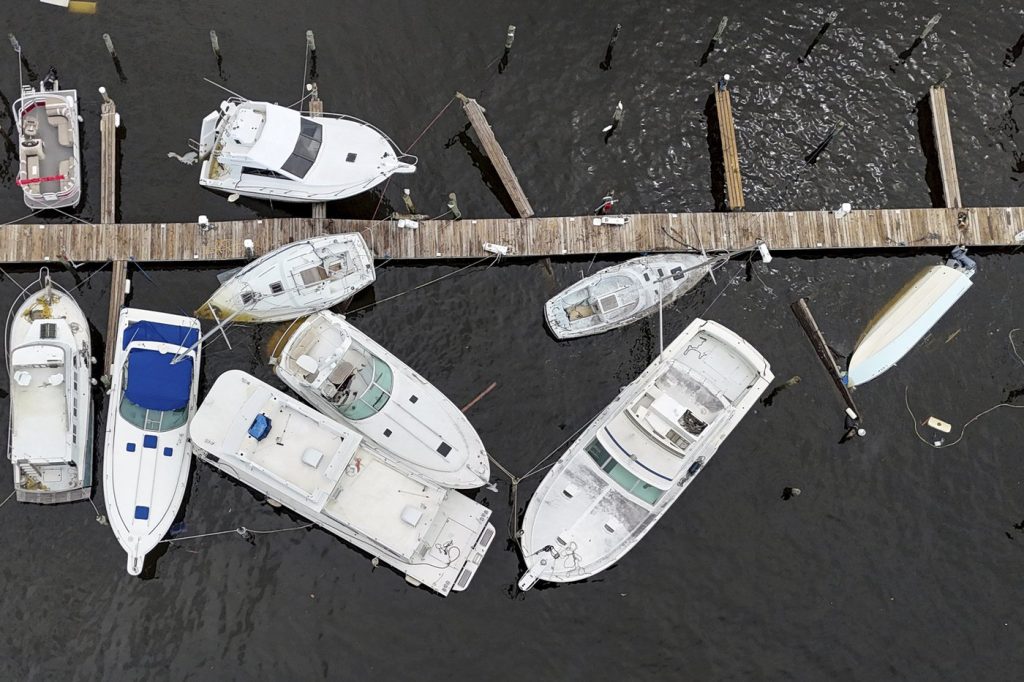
<point>7,498</point>
<point>242,531</point>
<point>98,270</point>
<point>906,397</point>
<point>419,286</point>
<point>18,220</point>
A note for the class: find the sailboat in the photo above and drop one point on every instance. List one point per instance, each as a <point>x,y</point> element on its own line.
<point>50,366</point>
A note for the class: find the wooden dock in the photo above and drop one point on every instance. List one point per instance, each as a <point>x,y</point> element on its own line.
<point>108,211</point>
<point>316,108</point>
<point>944,146</point>
<point>528,237</point>
<point>475,114</point>
<point>730,152</point>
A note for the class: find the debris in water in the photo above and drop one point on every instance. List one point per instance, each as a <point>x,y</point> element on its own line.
<point>788,493</point>
<point>188,159</point>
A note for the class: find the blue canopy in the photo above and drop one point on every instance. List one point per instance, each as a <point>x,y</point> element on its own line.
<point>154,383</point>
<point>145,330</point>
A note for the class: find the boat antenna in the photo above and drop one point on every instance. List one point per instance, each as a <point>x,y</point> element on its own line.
<point>17,48</point>
<point>224,89</point>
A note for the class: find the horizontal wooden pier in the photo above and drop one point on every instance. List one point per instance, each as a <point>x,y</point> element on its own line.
<point>529,237</point>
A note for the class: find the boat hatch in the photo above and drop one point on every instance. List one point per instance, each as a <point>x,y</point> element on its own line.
<point>315,274</point>
<point>48,330</point>
<point>608,303</point>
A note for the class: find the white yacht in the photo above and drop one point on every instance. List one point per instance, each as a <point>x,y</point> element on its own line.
<point>639,454</point>
<point>154,382</point>
<point>622,294</point>
<point>350,377</point>
<point>341,481</point>
<point>49,168</point>
<point>50,366</point>
<point>910,315</point>
<point>295,280</point>
<point>262,150</point>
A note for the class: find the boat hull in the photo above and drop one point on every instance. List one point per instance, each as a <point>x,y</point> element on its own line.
<point>49,171</point>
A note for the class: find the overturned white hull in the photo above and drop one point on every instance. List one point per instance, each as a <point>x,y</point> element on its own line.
<point>295,280</point>
<point>905,320</point>
<point>639,454</point>
<point>622,294</point>
<point>342,482</point>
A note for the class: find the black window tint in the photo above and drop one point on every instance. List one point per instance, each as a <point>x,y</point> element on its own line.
<point>306,148</point>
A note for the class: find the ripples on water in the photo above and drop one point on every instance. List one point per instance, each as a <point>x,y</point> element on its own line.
<point>897,561</point>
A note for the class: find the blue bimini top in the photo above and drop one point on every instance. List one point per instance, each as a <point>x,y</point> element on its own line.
<point>159,332</point>
<point>154,383</point>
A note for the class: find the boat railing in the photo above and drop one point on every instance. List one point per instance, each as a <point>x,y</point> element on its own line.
<point>345,117</point>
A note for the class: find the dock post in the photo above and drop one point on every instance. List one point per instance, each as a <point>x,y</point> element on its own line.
<point>944,146</point>
<point>108,209</point>
<point>475,114</point>
<point>316,108</point>
<point>730,153</point>
<point>817,339</point>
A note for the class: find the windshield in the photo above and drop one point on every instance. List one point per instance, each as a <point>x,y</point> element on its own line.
<point>378,379</point>
<point>621,475</point>
<point>306,148</point>
<point>152,420</point>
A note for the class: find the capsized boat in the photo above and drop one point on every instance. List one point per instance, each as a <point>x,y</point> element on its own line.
<point>341,481</point>
<point>622,294</point>
<point>266,151</point>
<point>295,280</point>
<point>49,168</point>
<point>351,378</point>
<point>639,454</point>
<point>910,315</point>
<point>50,366</point>
<point>146,454</point>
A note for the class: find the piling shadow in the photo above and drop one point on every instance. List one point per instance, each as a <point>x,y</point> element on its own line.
<point>487,172</point>
<point>715,152</point>
<point>932,173</point>
<point>1014,52</point>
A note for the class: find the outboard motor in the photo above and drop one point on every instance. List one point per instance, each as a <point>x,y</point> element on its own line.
<point>50,82</point>
<point>958,259</point>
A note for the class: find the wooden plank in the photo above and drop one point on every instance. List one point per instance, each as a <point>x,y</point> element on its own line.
<point>944,146</point>
<point>108,211</point>
<point>316,108</point>
<point>475,114</point>
<point>730,153</point>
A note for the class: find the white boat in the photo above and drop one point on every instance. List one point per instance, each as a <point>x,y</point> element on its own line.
<point>350,377</point>
<point>266,151</point>
<point>341,481</point>
<point>50,365</point>
<point>295,280</point>
<point>910,314</point>
<point>622,294</point>
<point>639,454</point>
<point>146,454</point>
<point>49,167</point>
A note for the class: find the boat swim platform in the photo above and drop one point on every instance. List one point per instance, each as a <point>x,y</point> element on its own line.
<point>822,231</point>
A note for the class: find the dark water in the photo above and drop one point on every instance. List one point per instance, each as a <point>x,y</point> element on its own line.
<point>898,561</point>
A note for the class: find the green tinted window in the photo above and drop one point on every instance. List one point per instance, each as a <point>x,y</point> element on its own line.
<point>379,380</point>
<point>623,476</point>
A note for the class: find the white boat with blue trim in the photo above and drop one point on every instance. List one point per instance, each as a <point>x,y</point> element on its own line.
<point>911,314</point>
<point>350,377</point>
<point>146,454</point>
<point>295,280</point>
<point>341,481</point>
<point>266,151</point>
<point>639,454</point>
<point>50,365</point>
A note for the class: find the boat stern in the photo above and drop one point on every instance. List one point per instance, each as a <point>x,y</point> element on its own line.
<point>476,557</point>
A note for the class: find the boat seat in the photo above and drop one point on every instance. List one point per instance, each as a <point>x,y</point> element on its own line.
<point>308,365</point>
<point>341,373</point>
<point>64,168</point>
<point>58,119</point>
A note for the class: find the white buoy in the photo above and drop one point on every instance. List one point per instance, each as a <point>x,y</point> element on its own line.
<point>766,255</point>
<point>409,224</point>
<point>844,210</point>
<point>498,249</point>
<point>233,197</point>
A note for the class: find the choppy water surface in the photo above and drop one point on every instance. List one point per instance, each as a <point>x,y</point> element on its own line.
<point>898,561</point>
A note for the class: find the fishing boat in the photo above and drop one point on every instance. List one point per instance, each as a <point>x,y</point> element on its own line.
<point>49,168</point>
<point>341,481</point>
<point>146,454</point>
<point>351,378</point>
<point>295,280</point>
<point>639,454</point>
<point>50,367</point>
<point>622,294</point>
<point>266,151</point>
<point>911,314</point>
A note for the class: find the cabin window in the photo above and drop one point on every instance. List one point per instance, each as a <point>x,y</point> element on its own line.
<point>598,453</point>
<point>306,148</point>
<point>378,380</point>
<point>263,172</point>
<point>276,288</point>
<point>248,297</point>
<point>623,476</point>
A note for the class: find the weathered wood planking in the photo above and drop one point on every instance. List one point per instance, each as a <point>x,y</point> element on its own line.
<point>529,237</point>
<point>730,153</point>
<point>316,108</point>
<point>944,145</point>
<point>108,210</point>
<point>475,114</point>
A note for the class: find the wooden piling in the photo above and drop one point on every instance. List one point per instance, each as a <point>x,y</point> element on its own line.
<point>944,145</point>
<point>817,339</point>
<point>316,108</point>
<point>730,153</point>
<point>108,209</point>
<point>475,114</point>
